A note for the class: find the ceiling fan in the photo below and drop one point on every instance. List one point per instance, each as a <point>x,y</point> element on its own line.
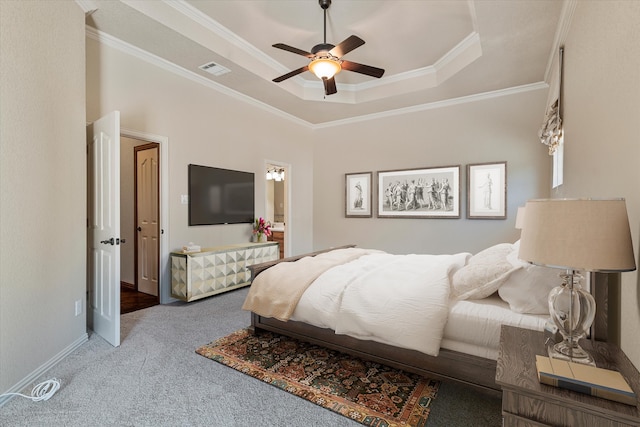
<point>326,59</point>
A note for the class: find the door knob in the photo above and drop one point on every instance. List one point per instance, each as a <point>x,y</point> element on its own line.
<point>111,241</point>
<point>139,228</point>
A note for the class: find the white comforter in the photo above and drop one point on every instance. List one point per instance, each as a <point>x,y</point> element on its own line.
<point>402,300</point>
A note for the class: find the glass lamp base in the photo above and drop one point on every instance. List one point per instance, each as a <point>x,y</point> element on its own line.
<point>572,310</point>
<point>564,351</point>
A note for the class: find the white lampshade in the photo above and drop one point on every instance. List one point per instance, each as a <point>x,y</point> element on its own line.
<point>581,234</point>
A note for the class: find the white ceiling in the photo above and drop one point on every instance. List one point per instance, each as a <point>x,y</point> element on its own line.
<point>434,52</point>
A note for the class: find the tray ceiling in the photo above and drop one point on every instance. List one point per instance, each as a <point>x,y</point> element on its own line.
<point>433,52</point>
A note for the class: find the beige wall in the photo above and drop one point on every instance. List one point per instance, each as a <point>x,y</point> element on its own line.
<point>206,127</point>
<point>43,186</point>
<point>490,130</point>
<point>602,125</point>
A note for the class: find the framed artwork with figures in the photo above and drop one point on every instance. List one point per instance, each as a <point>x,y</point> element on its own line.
<point>358,195</point>
<point>487,190</point>
<point>432,192</point>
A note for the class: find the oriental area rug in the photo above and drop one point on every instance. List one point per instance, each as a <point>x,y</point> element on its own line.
<point>372,394</point>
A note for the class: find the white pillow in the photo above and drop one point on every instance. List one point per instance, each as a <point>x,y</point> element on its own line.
<point>484,273</point>
<point>527,289</point>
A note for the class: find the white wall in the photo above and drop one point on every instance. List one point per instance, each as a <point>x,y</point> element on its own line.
<point>206,127</point>
<point>43,185</point>
<point>490,130</point>
<point>602,125</point>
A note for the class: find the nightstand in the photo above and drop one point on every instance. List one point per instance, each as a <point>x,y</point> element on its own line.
<point>526,402</point>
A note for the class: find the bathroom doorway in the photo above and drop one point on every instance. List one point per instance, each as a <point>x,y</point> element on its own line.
<point>277,204</point>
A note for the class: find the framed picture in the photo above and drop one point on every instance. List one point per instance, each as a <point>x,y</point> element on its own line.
<point>358,195</point>
<point>419,193</point>
<point>487,190</point>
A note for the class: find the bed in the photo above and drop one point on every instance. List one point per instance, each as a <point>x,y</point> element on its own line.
<point>467,348</point>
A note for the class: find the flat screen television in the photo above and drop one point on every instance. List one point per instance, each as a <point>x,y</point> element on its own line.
<point>220,196</point>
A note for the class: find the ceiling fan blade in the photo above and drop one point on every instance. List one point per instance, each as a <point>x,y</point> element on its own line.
<point>291,74</point>
<point>362,69</point>
<point>293,49</point>
<point>346,46</point>
<point>329,86</point>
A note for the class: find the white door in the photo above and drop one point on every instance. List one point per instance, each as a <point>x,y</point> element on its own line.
<point>103,170</point>
<point>147,216</point>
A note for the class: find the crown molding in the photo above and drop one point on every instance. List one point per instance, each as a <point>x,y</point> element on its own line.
<point>438,104</point>
<point>143,55</point>
<point>249,57</point>
<point>562,31</point>
<point>87,6</point>
<point>223,32</point>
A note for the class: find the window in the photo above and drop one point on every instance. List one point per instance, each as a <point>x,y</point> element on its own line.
<point>558,165</point>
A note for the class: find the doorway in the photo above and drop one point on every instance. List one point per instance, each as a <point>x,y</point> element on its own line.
<point>140,225</point>
<point>106,239</point>
<point>277,204</point>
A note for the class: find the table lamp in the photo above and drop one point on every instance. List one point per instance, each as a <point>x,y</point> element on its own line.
<point>576,235</point>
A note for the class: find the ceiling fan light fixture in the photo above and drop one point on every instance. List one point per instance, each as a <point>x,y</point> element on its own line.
<point>325,67</point>
<point>326,59</point>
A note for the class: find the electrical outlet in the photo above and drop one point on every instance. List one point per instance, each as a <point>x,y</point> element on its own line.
<point>78,307</point>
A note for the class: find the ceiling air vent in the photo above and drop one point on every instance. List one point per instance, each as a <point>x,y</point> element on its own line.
<point>215,69</point>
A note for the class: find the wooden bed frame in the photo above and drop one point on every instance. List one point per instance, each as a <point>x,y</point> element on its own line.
<point>449,365</point>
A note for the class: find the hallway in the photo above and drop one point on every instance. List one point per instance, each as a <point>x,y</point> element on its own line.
<point>132,300</point>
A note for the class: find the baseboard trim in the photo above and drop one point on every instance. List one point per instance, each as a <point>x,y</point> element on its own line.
<point>44,368</point>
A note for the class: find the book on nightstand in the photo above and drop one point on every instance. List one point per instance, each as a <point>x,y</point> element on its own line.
<point>586,379</point>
